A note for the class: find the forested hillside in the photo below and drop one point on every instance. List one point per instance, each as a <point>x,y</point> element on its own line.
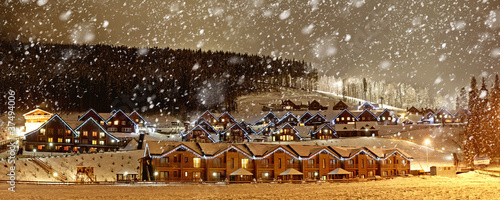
<point>71,77</point>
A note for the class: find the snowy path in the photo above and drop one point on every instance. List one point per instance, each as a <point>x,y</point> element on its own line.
<point>465,186</point>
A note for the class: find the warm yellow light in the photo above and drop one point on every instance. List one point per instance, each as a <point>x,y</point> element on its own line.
<point>427,142</point>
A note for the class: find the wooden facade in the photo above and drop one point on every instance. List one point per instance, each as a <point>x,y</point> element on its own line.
<point>235,134</point>
<point>138,119</point>
<point>289,118</point>
<point>174,161</point>
<point>387,118</point>
<point>444,116</point>
<point>120,122</point>
<point>208,117</point>
<point>226,120</point>
<point>340,106</point>
<point>324,132</point>
<point>92,137</point>
<point>286,132</point>
<point>94,115</point>
<point>315,105</point>
<point>199,134</point>
<point>56,135</point>
<point>268,118</point>
<point>35,119</point>
<point>316,120</point>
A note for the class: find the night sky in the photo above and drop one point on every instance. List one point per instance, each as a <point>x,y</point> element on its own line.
<point>435,44</point>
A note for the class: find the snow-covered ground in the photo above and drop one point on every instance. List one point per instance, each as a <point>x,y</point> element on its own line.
<point>106,165</point>
<point>465,186</point>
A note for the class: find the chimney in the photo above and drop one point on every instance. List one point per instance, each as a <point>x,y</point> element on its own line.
<point>141,141</point>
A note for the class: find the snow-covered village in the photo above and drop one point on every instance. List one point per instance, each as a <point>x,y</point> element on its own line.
<point>265,99</point>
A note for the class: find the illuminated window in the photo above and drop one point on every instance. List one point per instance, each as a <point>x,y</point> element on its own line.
<point>383,118</point>
<point>244,163</point>
<point>116,122</point>
<point>338,119</point>
<point>389,118</point>
<point>342,118</point>
<point>68,132</point>
<point>101,142</point>
<point>94,133</point>
<point>102,122</point>
<point>123,123</point>
<point>348,118</point>
<point>50,139</point>
<point>68,140</point>
<point>60,140</point>
<point>101,134</point>
<point>94,141</point>
<point>136,120</point>
<point>223,120</point>
<point>109,123</point>
<point>42,131</point>
<point>197,162</point>
<point>85,133</point>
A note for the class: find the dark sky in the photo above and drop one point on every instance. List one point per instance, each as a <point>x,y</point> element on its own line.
<point>435,44</point>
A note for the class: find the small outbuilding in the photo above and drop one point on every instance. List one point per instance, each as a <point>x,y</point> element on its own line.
<point>445,171</point>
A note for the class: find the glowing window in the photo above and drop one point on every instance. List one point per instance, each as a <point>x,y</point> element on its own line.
<point>94,133</point>
<point>101,142</point>
<point>59,140</point>
<point>94,141</point>
<point>116,122</point>
<point>244,163</point>
<point>50,139</point>
<point>101,134</point>
<point>68,140</point>
<point>85,133</point>
<point>197,162</point>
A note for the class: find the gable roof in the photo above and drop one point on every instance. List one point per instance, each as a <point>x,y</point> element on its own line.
<point>138,115</point>
<point>238,125</point>
<point>287,124</point>
<point>366,110</point>
<point>302,116</point>
<point>164,148</point>
<point>204,114</point>
<point>323,126</point>
<point>340,104</point>
<point>91,120</point>
<point>120,111</point>
<point>443,109</point>
<point>199,127</point>
<point>226,113</point>
<point>354,116</point>
<point>317,114</point>
<point>288,114</point>
<point>91,111</point>
<point>54,117</point>
<point>38,109</point>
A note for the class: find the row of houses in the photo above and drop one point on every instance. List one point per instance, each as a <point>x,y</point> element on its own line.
<point>90,132</point>
<point>190,161</point>
<point>289,127</point>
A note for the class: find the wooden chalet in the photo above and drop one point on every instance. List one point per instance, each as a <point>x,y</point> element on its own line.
<point>55,135</point>
<point>92,137</point>
<point>345,124</point>
<point>35,119</point>
<point>202,133</point>
<point>391,162</point>
<point>226,120</point>
<point>208,117</point>
<point>91,113</point>
<point>316,120</point>
<point>234,134</point>
<point>138,119</point>
<point>428,118</point>
<point>368,106</point>
<point>443,116</point>
<point>289,105</point>
<point>286,132</point>
<point>267,130</point>
<point>325,132</point>
<point>289,118</point>
<point>174,161</point>
<point>386,117</point>
<point>120,122</point>
<point>304,117</point>
<point>268,118</point>
<point>315,105</point>
<point>247,127</point>
<point>340,106</point>
<point>413,110</point>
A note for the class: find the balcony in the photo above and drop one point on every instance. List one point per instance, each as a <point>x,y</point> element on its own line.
<point>312,166</point>
<point>266,166</point>
<point>351,166</point>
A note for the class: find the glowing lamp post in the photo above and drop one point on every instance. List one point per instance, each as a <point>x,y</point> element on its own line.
<point>427,143</point>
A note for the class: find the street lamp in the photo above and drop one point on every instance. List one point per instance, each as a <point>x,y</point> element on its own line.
<point>427,143</point>
<point>34,152</point>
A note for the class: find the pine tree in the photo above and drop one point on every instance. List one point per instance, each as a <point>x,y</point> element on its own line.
<point>470,143</point>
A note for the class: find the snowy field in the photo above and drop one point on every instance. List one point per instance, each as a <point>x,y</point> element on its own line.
<point>466,186</point>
